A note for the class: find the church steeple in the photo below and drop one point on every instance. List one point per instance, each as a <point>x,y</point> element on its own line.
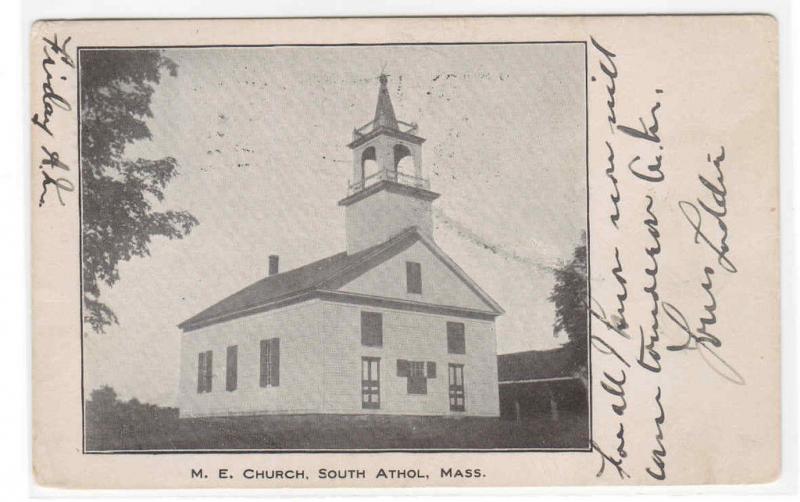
<point>384,112</point>
<point>382,203</point>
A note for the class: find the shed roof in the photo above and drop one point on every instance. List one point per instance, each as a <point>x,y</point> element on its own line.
<point>534,365</point>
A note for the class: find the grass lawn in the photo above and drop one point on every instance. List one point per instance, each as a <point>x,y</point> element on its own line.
<point>165,431</point>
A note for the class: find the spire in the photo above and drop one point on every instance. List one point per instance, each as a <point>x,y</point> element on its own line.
<point>384,112</point>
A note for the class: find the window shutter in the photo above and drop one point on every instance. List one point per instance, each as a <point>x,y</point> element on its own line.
<point>431,373</point>
<point>201,372</point>
<point>402,368</point>
<point>209,369</point>
<point>231,367</point>
<point>275,355</point>
<point>264,360</point>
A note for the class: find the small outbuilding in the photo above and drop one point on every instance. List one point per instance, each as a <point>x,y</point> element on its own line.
<point>540,382</point>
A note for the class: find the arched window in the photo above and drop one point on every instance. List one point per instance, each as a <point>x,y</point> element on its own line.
<point>403,160</point>
<point>369,164</point>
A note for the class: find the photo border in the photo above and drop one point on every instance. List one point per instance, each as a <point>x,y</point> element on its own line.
<point>590,446</point>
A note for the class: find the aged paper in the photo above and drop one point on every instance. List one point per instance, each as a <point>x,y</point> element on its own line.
<point>409,252</point>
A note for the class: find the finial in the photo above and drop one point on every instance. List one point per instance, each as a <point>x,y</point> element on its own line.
<point>383,77</point>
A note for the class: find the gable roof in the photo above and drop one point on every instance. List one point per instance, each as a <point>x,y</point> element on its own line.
<point>535,365</point>
<point>325,275</point>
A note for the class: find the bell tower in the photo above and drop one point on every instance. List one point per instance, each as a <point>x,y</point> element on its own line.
<point>381,203</point>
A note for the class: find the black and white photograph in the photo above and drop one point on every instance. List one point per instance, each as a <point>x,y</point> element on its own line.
<point>316,248</point>
<point>407,254</point>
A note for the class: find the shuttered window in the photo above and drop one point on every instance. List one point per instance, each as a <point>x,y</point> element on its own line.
<point>417,374</point>
<point>413,277</point>
<point>371,329</point>
<point>204,371</point>
<point>231,368</point>
<point>270,362</point>
<point>455,338</point>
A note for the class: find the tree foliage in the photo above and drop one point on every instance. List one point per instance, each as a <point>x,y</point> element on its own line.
<point>570,297</point>
<point>119,194</point>
<point>113,424</point>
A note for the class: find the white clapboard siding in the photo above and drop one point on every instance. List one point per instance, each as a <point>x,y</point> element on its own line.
<point>298,327</point>
<point>410,336</point>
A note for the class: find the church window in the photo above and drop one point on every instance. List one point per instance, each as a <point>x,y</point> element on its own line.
<point>455,338</point>
<point>371,329</point>
<point>413,277</point>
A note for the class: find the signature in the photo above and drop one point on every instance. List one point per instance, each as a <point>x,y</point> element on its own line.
<point>702,339</point>
<point>695,343</point>
<point>719,195</point>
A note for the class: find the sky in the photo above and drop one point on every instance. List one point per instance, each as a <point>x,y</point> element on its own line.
<point>259,135</point>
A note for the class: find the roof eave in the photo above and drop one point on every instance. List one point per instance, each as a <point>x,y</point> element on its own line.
<point>390,186</point>
<point>409,305</point>
<point>345,298</point>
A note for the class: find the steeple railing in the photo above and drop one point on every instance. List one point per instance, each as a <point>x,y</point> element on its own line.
<point>388,175</point>
<point>403,127</point>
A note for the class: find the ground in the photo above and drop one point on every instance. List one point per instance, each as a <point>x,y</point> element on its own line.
<point>165,431</point>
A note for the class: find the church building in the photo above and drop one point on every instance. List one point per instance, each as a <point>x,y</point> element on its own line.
<point>390,325</point>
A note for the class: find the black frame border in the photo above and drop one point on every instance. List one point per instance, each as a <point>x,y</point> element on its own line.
<point>590,447</point>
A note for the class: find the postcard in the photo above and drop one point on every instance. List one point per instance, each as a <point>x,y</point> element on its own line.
<point>405,252</point>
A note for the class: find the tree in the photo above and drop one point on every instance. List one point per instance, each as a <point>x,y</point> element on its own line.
<point>113,424</point>
<point>118,194</point>
<point>571,299</point>
<point>105,397</point>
